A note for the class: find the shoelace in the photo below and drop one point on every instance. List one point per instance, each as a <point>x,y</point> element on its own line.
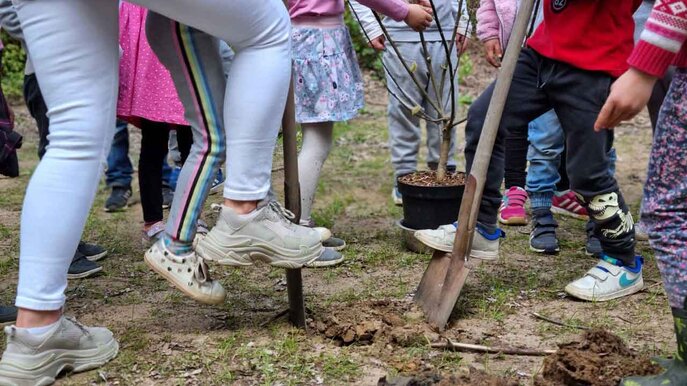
<point>517,198</point>
<point>79,325</point>
<point>283,213</point>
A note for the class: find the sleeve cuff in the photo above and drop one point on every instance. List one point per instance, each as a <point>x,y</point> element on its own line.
<point>651,59</point>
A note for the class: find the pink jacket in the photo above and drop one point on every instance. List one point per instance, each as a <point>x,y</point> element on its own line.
<point>495,20</point>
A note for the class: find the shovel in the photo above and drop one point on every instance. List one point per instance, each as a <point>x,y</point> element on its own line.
<point>445,276</point>
<point>292,201</point>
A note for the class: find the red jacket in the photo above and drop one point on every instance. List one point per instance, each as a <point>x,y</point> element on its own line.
<point>595,35</point>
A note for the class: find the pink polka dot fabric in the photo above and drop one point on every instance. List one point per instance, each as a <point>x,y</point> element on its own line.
<point>146,89</point>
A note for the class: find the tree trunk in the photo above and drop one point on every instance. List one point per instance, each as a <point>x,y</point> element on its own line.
<point>443,155</point>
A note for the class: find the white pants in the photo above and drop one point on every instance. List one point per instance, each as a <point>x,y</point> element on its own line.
<point>73,45</point>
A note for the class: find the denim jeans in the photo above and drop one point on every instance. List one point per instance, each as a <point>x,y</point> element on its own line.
<point>547,143</point>
<point>119,169</point>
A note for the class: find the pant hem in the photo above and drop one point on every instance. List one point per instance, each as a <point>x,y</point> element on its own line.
<point>35,305</point>
<point>245,196</point>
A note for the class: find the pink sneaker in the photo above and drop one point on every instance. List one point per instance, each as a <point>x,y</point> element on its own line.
<point>567,204</point>
<point>512,210</point>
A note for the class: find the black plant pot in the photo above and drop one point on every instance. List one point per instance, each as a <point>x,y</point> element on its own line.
<point>429,207</point>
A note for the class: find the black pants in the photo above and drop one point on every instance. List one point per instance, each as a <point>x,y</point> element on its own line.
<point>540,84</point>
<point>154,147</point>
<point>38,110</point>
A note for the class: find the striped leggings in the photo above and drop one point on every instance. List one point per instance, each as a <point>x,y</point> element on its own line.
<point>73,45</point>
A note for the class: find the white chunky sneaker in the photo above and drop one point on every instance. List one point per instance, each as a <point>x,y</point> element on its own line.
<point>608,280</point>
<point>38,359</point>
<point>267,235</point>
<point>188,273</point>
<point>485,246</point>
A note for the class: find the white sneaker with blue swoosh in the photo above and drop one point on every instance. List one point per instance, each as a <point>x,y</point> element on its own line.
<point>608,280</point>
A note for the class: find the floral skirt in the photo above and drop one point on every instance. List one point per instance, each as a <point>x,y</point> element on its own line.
<point>327,80</point>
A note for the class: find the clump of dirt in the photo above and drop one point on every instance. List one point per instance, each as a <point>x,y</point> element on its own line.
<point>429,178</point>
<point>474,378</point>
<point>600,359</point>
<point>374,321</point>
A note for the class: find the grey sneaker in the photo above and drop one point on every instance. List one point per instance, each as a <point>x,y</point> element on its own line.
<point>267,235</point>
<point>188,273</point>
<point>39,359</point>
<point>484,246</point>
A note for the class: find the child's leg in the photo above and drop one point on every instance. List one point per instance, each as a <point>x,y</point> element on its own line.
<point>404,127</point>
<point>38,110</point>
<point>317,141</point>
<point>525,102</point>
<point>547,142</point>
<point>155,137</point>
<point>577,96</point>
<point>665,193</point>
<point>184,142</point>
<point>201,89</point>
<point>515,172</point>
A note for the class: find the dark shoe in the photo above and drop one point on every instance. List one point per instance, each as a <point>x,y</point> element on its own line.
<point>8,314</point>
<point>167,197</point>
<point>593,246</point>
<point>334,243</point>
<point>218,183</point>
<point>675,369</point>
<point>119,199</point>
<point>81,267</point>
<point>543,236</point>
<point>91,251</point>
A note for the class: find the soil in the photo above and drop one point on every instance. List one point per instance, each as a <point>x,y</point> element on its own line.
<point>429,178</point>
<point>600,359</point>
<point>383,321</point>
<point>474,377</point>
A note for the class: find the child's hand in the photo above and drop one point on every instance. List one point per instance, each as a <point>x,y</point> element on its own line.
<point>419,16</point>
<point>493,52</point>
<point>629,94</point>
<point>378,43</point>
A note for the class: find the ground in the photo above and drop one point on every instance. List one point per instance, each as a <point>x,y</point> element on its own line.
<point>363,325</point>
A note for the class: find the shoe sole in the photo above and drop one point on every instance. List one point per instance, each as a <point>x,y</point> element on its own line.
<point>480,255</point>
<point>84,275</point>
<point>568,213</point>
<point>246,255</point>
<point>634,288</point>
<point>545,251</point>
<point>513,221</point>
<point>97,257</point>
<point>325,264</point>
<point>54,363</point>
<point>183,288</point>
<point>114,210</point>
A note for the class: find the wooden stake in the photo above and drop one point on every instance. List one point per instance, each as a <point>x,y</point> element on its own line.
<point>456,346</point>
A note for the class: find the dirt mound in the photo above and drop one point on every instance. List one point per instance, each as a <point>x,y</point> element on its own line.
<point>600,359</point>
<point>474,378</point>
<point>375,321</point>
